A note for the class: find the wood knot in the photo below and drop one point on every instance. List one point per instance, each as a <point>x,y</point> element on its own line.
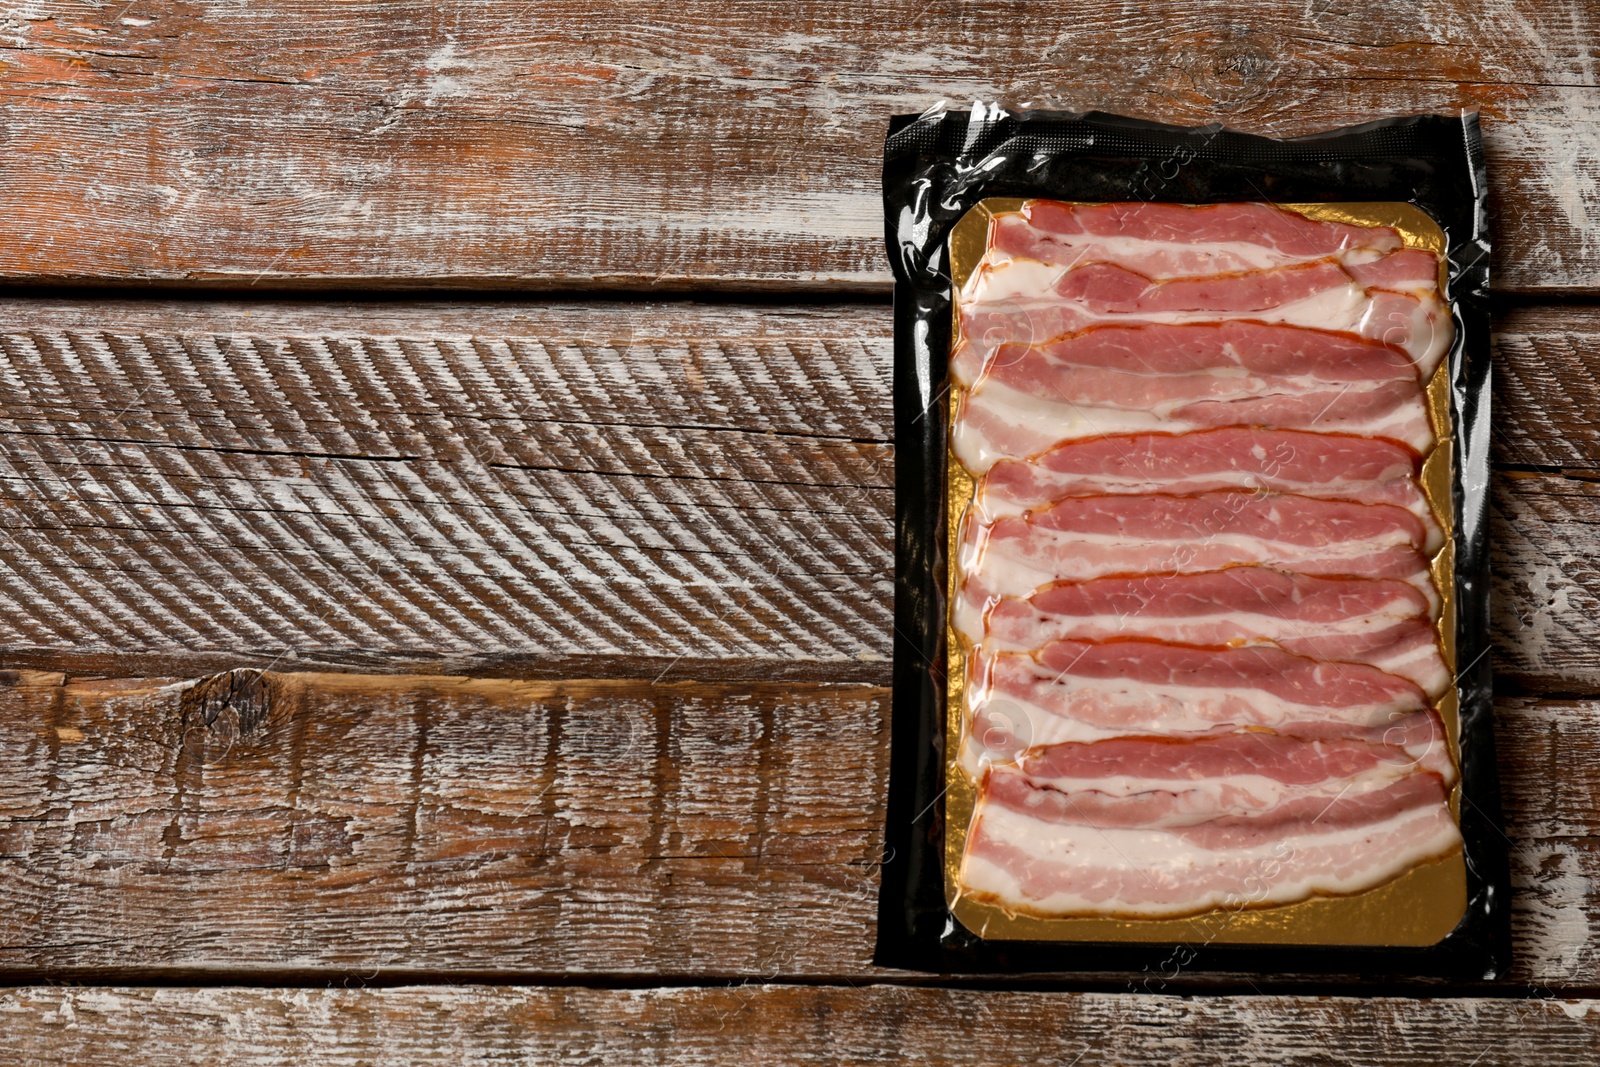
<point>228,708</point>
<point>1229,69</point>
<point>11,679</point>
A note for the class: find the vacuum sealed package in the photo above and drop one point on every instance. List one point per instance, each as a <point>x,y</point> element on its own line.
<point>1191,571</point>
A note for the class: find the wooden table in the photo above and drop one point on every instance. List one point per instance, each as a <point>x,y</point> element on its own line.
<point>445,560</point>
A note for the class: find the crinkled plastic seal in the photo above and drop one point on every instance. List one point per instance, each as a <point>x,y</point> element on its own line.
<point>939,167</point>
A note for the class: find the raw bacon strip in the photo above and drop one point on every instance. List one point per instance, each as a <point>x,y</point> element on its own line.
<point>1083,538</point>
<point>1176,378</point>
<point>1223,792</point>
<point>989,318</point>
<point>997,422</point>
<point>1418,324</point>
<point>1328,466</point>
<point>1228,348</point>
<point>995,737</point>
<point>1079,538</point>
<point>1013,235</point>
<point>1322,465</point>
<point>1072,691</point>
<point>1220,812</point>
<point>1278,676</point>
<point>1234,773</point>
<point>1393,298</point>
<point>1106,289</point>
<point>1384,624</point>
<point>1025,861</point>
<point>1410,270</point>
<point>1285,232</point>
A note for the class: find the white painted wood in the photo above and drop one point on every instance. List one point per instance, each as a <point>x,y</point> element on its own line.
<point>732,145</point>
<point>763,1024</point>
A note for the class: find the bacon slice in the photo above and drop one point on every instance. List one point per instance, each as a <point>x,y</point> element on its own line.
<point>1393,299</point>
<point>1080,538</point>
<point>1253,225</point>
<point>1236,773</point>
<point>1012,302</point>
<point>998,422</point>
<point>1177,378</point>
<point>1109,289</point>
<point>1073,691</point>
<point>1157,828</point>
<point>1029,866</point>
<point>1084,538</point>
<point>1247,807</point>
<point>1327,466</point>
<point>1410,270</point>
<point>1227,348</point>
<point>1105,289</point>
<point>1204,250</point>
<point>1385,624</point>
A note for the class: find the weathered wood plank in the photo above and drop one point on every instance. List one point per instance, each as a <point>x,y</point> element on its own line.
<point>349,822</point>
<point>1545,527</point>
<point>701,490</point>
<point>758,1024</point>
<point>731,144</point>
<point>674,489</point>
<point>1545,581</point>
<point>329,824</point>
<point>1548,387</point>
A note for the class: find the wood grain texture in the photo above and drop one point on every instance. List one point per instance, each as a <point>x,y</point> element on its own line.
<point>692,144</point>
<point>367,825</point>
<point>320,826</point>
<point>1545,609</point>
<point>682,490</point>
<point>775,1025</point>
<point>672,490</point>
<point>1547,388</point>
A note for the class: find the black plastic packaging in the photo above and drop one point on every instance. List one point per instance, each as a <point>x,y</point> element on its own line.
<point>939,165</point>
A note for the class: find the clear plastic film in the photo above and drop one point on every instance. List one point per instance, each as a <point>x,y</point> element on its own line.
<point>956,183</point>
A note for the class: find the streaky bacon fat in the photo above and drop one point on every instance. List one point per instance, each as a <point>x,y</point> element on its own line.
<point>1383,623</point>
<point>1077,691</point>
<point>1175,378</point>
<point>1021,859</point>
<point>1261,226</point>
<point>1083,538</point>
<point>1327,466</point>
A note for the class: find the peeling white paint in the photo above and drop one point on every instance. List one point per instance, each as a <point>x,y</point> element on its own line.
<point>1561,138</point>
<point>447,73</point>
<point>1559,911</point>
<point>1543,629</point>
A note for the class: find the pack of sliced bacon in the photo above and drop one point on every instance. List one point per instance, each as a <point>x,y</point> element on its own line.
<point>1191,656</point>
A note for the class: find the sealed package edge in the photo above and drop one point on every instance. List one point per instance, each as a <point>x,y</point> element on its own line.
<point>1191,572</point>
